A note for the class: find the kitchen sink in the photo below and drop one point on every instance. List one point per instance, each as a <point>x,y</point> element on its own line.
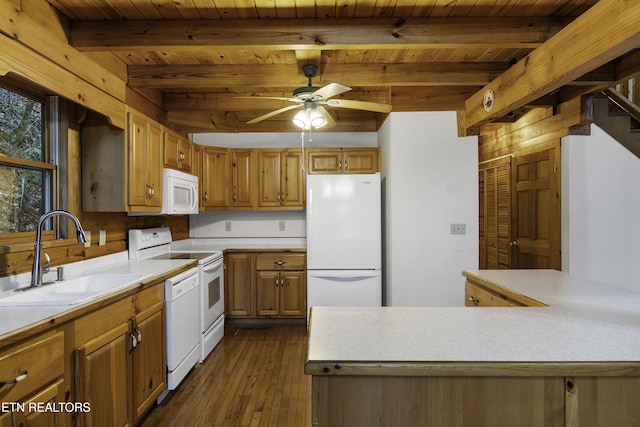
<point>70,292</point>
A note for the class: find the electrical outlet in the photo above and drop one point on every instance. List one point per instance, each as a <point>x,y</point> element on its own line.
<point>281,226</point>
<point>87,234</point>
<point>458,229</point>
<point>103,238</point>
<point>227,226</point>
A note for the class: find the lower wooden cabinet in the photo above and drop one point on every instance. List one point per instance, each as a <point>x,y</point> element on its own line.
<point>480,295</point>
<point>39,381</point>
<point>120,359</point>
<point>265,285</point>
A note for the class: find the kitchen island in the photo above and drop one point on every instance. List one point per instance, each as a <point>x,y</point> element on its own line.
<point>574,361</point>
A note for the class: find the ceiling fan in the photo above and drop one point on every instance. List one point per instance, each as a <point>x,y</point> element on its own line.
<point>312,99</point>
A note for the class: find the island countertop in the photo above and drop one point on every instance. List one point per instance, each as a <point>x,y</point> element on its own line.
<point>585,325</point>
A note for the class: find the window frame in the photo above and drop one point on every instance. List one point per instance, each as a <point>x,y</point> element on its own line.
<point>50,163</point>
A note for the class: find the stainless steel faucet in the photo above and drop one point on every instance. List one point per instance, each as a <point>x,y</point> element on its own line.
<point>36,271</point>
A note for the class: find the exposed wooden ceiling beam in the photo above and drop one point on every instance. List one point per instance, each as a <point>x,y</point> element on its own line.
<point>323,34</point>
<point>277,75</point>
<point>603,33</point>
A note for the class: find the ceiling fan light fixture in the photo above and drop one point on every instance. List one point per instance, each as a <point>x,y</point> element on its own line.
<point>316,119</point>
<point>302,120</point>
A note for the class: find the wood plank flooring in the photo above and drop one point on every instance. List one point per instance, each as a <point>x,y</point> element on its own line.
<point>254,378</point>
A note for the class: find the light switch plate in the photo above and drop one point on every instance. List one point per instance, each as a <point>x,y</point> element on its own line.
<point>227,226</point>
<point>458,229</point>
<point>103,238</point>
<point>87,234</point>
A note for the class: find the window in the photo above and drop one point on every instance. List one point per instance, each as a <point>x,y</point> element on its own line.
<point>27,175</point>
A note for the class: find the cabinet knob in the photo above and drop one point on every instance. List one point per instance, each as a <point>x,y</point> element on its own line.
<point>513,244</point>
<point>474,300</point>
<point>206,196</point>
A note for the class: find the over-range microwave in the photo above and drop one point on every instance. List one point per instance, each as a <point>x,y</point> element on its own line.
<point>179,193</point>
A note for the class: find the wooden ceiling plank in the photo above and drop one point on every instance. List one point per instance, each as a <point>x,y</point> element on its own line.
<point>603,33</point>
<point>313,33</point>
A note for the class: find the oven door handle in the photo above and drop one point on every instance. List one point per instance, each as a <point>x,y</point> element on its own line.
<point>212,266</point>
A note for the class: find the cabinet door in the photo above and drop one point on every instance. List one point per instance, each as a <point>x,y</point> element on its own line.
<point>292,186</point>
<point>103,375</point>
<point>268,284</point>
<point>269,178</point>
<point>170,153</point>
<point>292,293</point>
<point>49,395</point>
<point>360,160</point>
<point>153,163</point>
<point>324,161</point>
<point>243,178</point>
<point>238,280</point>
<point>138,185</point>
<point>196,169</point>
<point>215,173</point>
<point>149,365</point>
<point>185,155</point>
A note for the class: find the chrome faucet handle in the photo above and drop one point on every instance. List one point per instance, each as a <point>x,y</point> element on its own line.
<point>48,267</point>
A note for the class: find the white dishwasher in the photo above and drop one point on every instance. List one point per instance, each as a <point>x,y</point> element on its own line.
<point>182,300</point>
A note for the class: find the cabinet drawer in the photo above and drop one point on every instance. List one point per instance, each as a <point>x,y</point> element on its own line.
<point>278,261</point>
<point>42,358</point>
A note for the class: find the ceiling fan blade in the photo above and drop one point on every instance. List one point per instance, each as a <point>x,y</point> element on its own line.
<point>278,98</point>
<point>360,105</point>
<point>330,90</point>
<point>330,122</point>
<point>273,113</point>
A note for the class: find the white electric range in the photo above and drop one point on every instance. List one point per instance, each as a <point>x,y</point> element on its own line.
<point>158,245</point>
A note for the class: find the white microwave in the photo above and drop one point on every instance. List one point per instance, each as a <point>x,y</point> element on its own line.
<point>179,193</point>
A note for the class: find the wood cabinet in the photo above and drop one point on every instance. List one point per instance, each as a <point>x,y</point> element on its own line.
<point>281,285</point>
<point>265,285</point>
<point>122,169</point>
<point>177,153</point>
<point>342,160</point>
<point>120,359</point>
<point>281,181</point>
<point>37,367</point>
<point>216,174</point>
<point>486,295</point>
<point>145,142</point>
<point>238,278</point>
<point>243,178</point>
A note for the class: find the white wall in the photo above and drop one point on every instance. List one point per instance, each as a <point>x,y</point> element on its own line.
<point>232,224</point>
<point>600,209</point>
<point>431,181</point>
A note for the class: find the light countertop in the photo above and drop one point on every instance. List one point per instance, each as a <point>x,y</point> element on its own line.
<point>239,243</point>
<point>585,321</point>
<point>16,319</point>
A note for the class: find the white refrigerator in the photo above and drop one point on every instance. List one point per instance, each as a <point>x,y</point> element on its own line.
<point>344,246</point>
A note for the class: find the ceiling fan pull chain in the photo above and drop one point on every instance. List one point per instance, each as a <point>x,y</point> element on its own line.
<point>302,146</point>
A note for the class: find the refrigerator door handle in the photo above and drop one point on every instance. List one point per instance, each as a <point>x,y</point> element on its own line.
<point>347,277</point>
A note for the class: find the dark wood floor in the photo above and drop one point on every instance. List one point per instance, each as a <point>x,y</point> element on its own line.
<point>254,377</point>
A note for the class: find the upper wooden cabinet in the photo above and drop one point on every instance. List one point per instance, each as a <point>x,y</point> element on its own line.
<point>122,169</point>
<point>145,163</point>
<point>281,181</point>
<point>177,152</point>
<point>216,173</point>
<point>243,178</point>
<point>342,160</point>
